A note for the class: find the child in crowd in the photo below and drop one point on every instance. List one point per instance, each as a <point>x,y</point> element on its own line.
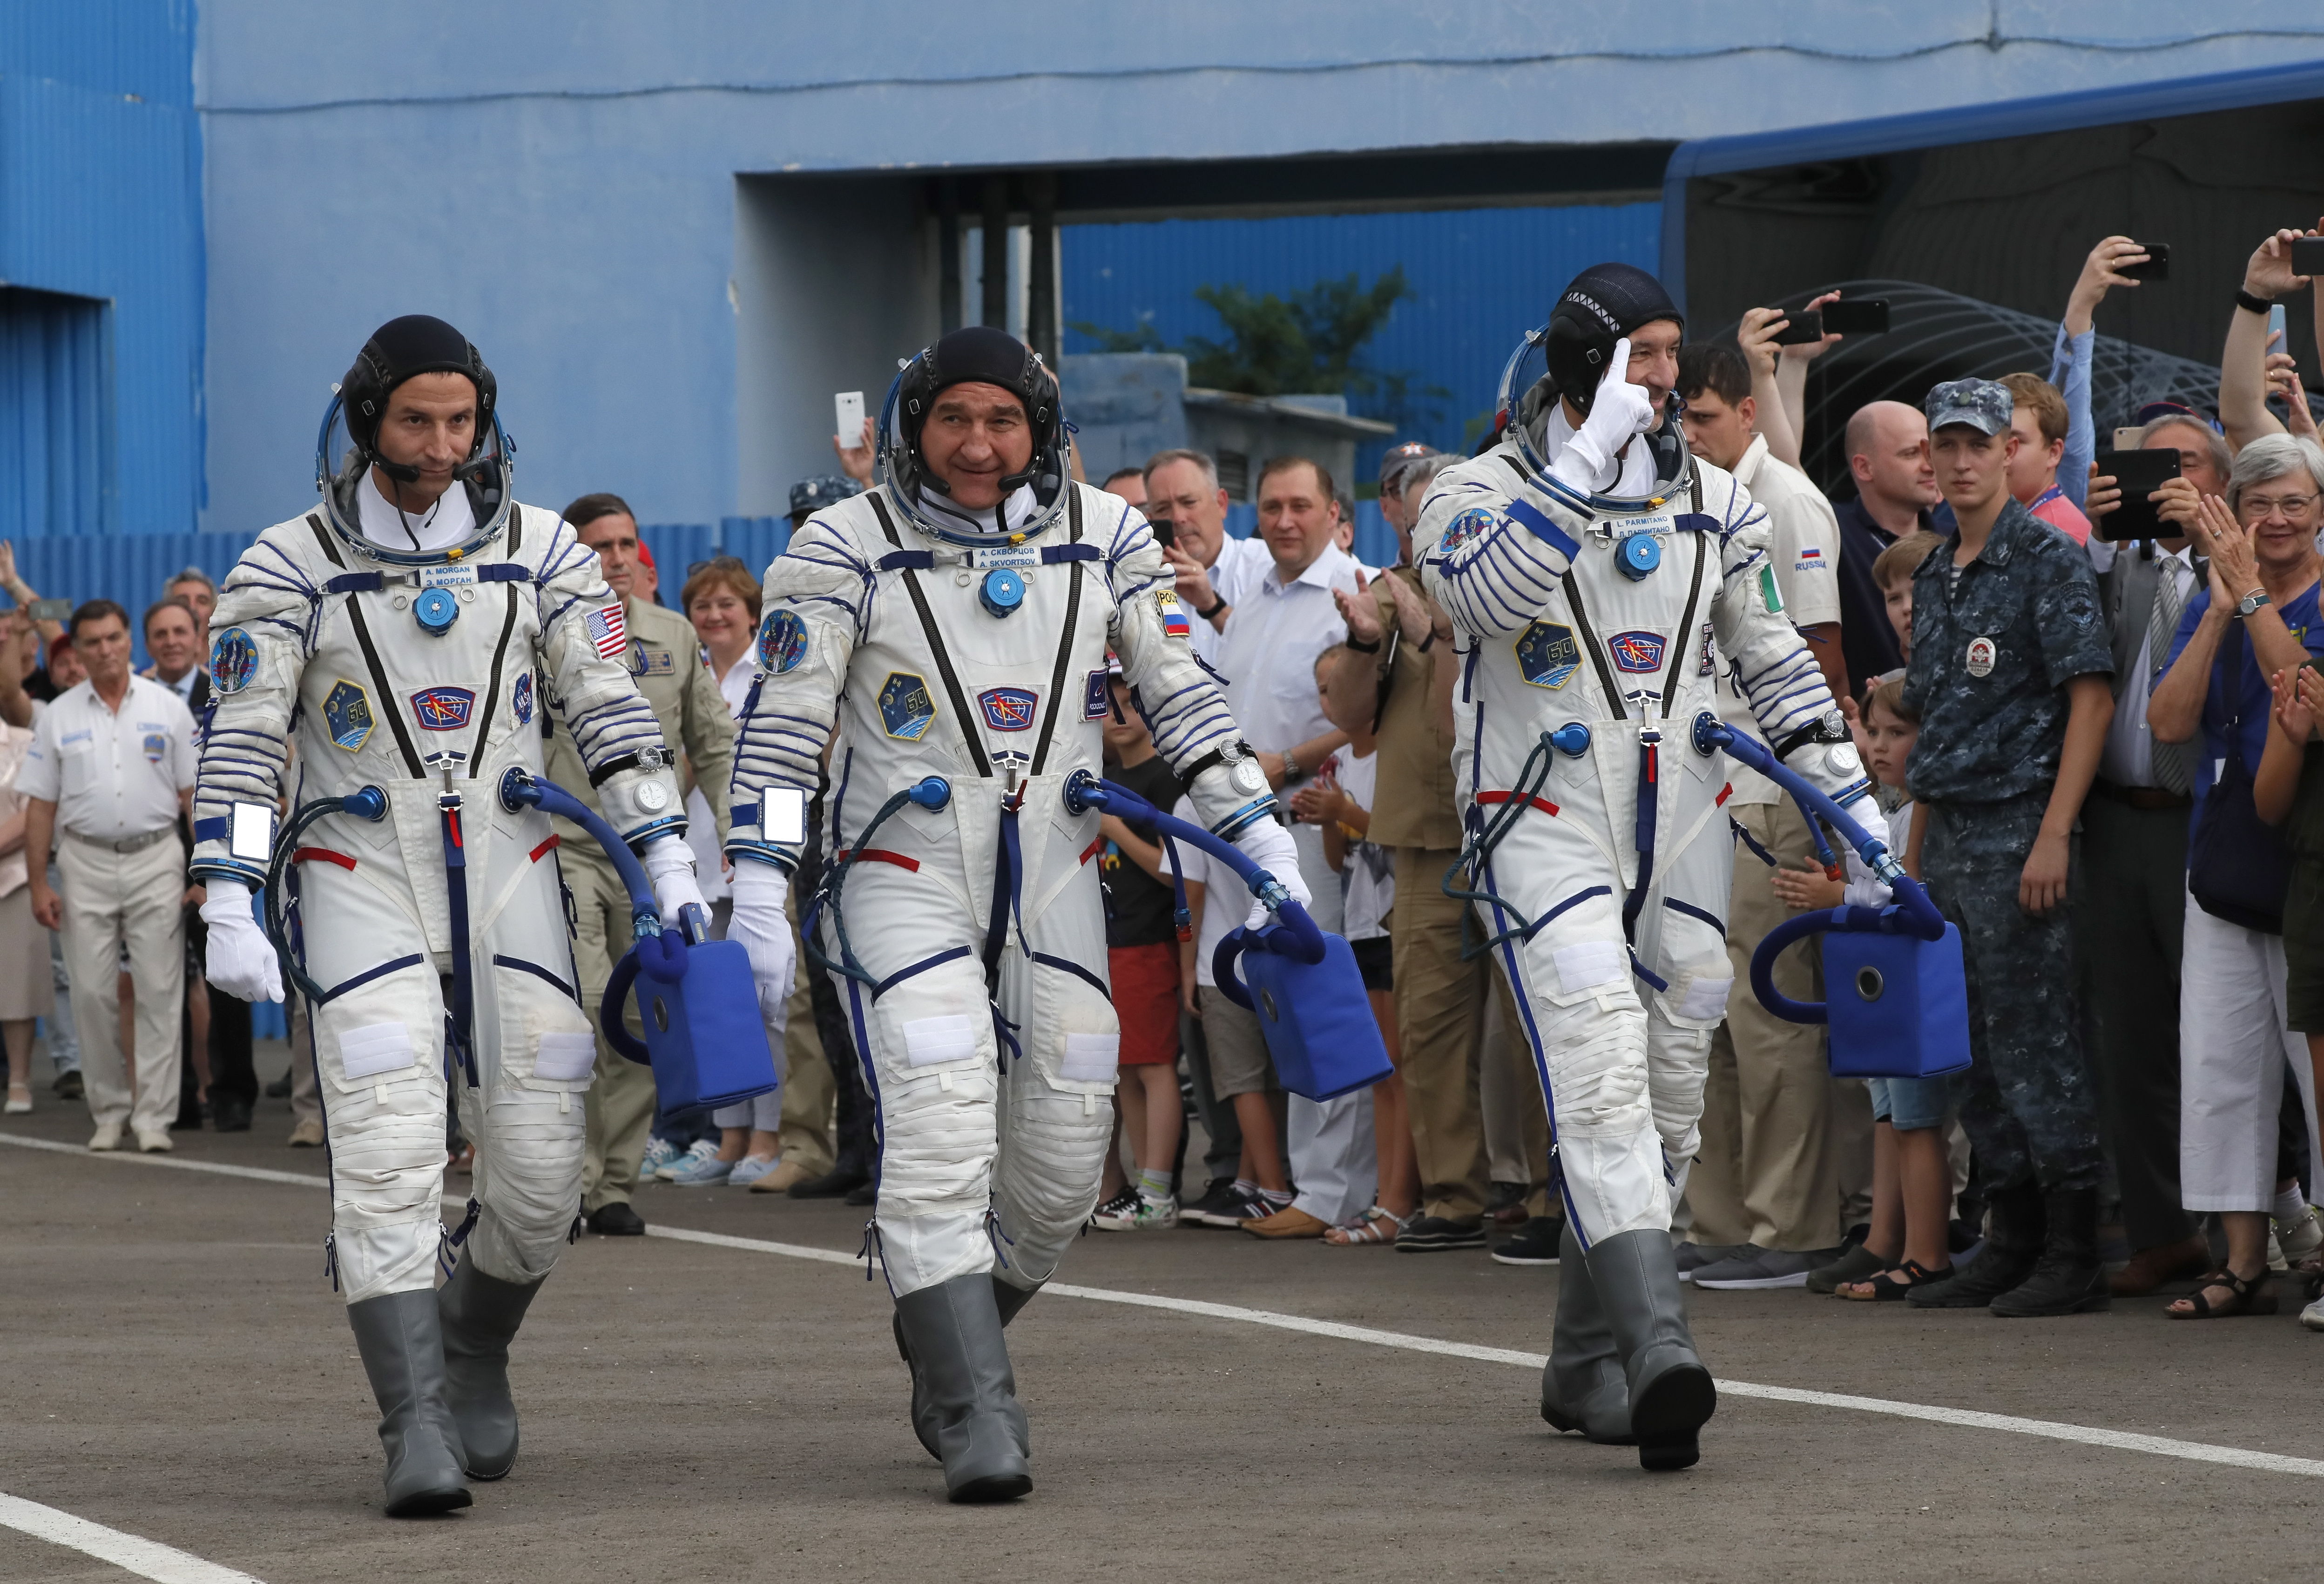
<point>1893,571</point>
<point>2038,418</point>
<point>1342,804</point>
<point>1141,939</point>
<point>1912,1173</point>
<point>2289,791</point>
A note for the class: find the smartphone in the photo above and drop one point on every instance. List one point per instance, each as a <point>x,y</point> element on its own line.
<point>2129,439</point>
<point>1165,531</point>
<point>1868,316</point>
<point>2275,338</point>
<point>1805,328</point>
<point>2308,255</point>
<point>2139,473</point>
<point>51,611</point>
<point>2157,266</point>
<point>847,409</point>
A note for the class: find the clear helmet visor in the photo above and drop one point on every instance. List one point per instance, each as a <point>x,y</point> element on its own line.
<point>1525,402</point>
<point>341,465</point>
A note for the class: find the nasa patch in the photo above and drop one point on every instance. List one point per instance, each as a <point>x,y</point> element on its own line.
<point>782,642</point>
<point>346,713</point>
<point>1636,651</point>
<point>442,709</point>
<point>905,710</point>
<point>1547,655</point>
<point>520,699</point>
<point>1097,698</point>
<point>1008,709</point>
<point>233,660</point>
<point>1473,523</point>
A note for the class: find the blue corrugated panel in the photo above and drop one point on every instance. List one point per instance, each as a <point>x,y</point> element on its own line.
<point>56,417</point>
<point>121,47</point>
<point>1480,279</point>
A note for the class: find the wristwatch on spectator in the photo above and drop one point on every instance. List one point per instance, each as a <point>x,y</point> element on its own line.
<point>2250,604</point>
<point>1292,774</point>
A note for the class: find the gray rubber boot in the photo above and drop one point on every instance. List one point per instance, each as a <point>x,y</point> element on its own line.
<point>1010,1299</point>
<point>1583,1387</point>
<point>480,1315</point>
<point>1672,1396</point>
<point>402,1347</point>
<point>950,1334</point>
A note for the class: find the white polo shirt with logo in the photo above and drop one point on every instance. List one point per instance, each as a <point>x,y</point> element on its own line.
<point>111,773</point>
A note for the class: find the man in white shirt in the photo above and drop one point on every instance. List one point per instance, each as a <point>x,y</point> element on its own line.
<point>1188,512</point>
<point>1267,653</point>
<point>1779,1134</point>
<point>111,768</point>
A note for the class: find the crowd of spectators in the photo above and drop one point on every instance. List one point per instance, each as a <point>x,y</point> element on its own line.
<point>2099,752</point>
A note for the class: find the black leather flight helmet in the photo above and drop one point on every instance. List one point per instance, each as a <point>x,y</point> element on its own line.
<point>976,354</point>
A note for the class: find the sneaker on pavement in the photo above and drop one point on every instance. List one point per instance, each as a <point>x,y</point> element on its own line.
<point>659,1152</point>
<point>2313,1317</point>
<point>154,1141</point>
<point>705,1171</point>
<point>1434,1234</point>
<point>2299,1238</point>
<point>1757,1268</point>
<point>1131,1210</point>
<point>1221,1205</point>
<point>1108,1216</point>
<point>1693,1256</point>
<point>1535,1242</point>
<point>307,1134</point>
<point>750,1168</point>
<point>106,1137</point>
<point>703,1150</point>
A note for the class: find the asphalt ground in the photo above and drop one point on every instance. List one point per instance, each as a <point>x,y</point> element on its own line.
<point>174,1365</point>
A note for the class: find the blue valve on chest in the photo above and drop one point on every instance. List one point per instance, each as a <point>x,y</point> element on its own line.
<point>1003,591</point>
<point>1638,555</point>
<point>435,610</point>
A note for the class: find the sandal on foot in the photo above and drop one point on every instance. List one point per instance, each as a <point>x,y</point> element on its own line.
<point>1376,1225</point>
<point>2253,1297</point>
<point>1884,1288</point>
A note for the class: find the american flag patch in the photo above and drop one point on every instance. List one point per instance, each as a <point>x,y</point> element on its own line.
<point>608,632</point>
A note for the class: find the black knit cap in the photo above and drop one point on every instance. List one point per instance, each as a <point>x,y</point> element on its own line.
<point>416,343</point>
<point>1598,308</point>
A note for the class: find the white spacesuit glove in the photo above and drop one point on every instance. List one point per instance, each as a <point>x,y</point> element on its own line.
<point>669,865</point>
<point>1618,413</point>
<point>1269,846</point>
<point>764,930</point>
<point>240,960</point>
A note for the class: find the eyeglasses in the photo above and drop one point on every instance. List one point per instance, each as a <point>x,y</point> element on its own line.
<point>2267,506</point>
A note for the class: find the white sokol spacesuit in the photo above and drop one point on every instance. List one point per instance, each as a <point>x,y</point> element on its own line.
<point>433,938</point>
<point>924,640</point>
<point>1599,580</point>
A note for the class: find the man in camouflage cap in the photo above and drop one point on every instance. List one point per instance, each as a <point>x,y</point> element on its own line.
<point>2009,677</point>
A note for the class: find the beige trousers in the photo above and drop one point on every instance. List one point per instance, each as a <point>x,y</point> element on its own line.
<point>114,900</point>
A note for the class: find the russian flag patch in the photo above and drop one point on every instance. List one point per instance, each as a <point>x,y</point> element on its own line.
<point>608,632</point>
<point>1174,614</point>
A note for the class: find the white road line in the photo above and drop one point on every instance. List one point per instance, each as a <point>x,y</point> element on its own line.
<point>2119,1439</point>
<point>131,1153</point>
<point>148,1559</point>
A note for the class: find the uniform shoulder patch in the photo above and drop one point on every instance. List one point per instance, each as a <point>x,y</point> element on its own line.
<point>1174,614</point>
<point>905,710</point>
<point>1097,697</point>
<point>347,715</point>
<point>782,642</point>
<point>1547,655</point>
<point>1008,709</point>
<point>233,660</point>
<point>1473,523</point>
<point>520,699</point>
<point>1637,650</point>
<point>442,709</point>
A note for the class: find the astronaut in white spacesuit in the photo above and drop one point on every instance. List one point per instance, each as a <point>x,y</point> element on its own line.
<point>415,633</point>
<point>1599,578</point>
<point>948,630</point>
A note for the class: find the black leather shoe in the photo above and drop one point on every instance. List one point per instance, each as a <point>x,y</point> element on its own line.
<point>838,1183</point>
<point>229,1113</point>
<point>67,1085</point>
<point>867,1193</point>
<point>617,1219</point>
<point>279,1088</point>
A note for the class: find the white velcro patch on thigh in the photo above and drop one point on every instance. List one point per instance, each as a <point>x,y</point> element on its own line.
<point>568,1057</point>
<point>1706,997</point>
<point>1090,1058</point>
<point>929,1041</point>
<point>376,1048</point>
<point>1589,964</point>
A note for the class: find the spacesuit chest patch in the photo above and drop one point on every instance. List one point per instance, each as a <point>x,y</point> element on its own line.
<point>1174,614</point>
<point>782,642</point>
<point>651,662</point>
<point>1008,709</point>
<point>1709,649</point>
<point>1473,523</point>
<point>442,709</point>
<point>905,710</point>
<point>233,660</point>
<point>520,699</point>
<point>1547,655</point>
<point>1637,651</point>
<point>1097,697</point>
<point>346,713</point>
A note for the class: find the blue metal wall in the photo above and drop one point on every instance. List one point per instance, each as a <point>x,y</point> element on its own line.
<point>101,198</point>
<point>1480,279</point>
<point>56,416</point>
